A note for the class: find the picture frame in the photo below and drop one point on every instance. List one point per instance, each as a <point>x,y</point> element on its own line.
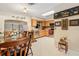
<point>66,13</point>
<point>58,23</point>
<point>64,24</point>
<point>74,22</point>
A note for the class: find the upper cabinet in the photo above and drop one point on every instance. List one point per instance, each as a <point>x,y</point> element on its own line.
<point>34,22</point>
<point>43,23</point>
<point>47,23</point>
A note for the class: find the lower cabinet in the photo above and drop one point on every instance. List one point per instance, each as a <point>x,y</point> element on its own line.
<point>43,33</point>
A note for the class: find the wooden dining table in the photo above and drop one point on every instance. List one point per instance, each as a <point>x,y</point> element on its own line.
<point>24,43</point>
<point>14,43</point>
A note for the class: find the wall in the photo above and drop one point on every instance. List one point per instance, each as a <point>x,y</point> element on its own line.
<point>72,34</point>
<point>6,16</point>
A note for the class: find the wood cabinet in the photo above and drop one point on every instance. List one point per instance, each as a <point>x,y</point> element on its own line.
<point>43,29</point>
<point>43,33</point>
<point>34,22</point>
<point>46,32</point>
<point>47,23</point>
<point>43,23</point>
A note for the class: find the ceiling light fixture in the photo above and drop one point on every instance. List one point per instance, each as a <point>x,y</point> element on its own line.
<point>31,3</point>
<point>25,11</point>
<point>48,13</point>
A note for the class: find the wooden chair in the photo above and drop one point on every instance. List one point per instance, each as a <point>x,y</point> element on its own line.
<point>29,44</point>
<point>63,44</point>
<point>9,45</point>
<point>12,49</point>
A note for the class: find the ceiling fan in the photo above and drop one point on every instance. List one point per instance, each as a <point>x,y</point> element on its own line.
<point>31,3</point>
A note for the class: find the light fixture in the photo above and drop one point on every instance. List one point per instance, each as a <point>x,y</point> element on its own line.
<point>25,10</point>
<point>31,3</point>
<point>48,13</point>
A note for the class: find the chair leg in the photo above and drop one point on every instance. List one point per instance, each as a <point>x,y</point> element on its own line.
<point>15,54</point>
<point>21,52</point>
<point>31,51</point>
<point>0,53</point>
<point>8,53</point>
<point>25,51</point>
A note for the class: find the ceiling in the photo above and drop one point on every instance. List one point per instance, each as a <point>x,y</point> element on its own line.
<point>34,10</point>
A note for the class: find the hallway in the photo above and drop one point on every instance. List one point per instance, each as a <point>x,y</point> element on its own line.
<point>45,47</point>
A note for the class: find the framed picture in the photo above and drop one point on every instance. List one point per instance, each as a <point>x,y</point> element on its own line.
<point>58,23</point>
<point>64,24</point>
<point>67,12</point>
<point>74,22</point>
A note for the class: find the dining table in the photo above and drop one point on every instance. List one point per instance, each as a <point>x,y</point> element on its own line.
<point>20,43</point>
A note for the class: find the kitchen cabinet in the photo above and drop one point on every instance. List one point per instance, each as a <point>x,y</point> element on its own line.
<point>43,28</point>
<point>43,23</point>
<point>47,23</point>
<point>46,32</point>
<point>34,22</point>
<point>43,33</point>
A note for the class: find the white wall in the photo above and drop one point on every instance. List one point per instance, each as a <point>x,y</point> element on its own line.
<point>72,33</point>
<point>6,16</point>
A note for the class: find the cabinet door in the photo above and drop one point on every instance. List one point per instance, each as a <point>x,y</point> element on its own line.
<point>34,22</point>
<point>46,33</point>
<point>47,23</point>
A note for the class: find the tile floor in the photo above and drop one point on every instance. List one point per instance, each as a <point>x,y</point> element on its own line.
<point>45,46</point>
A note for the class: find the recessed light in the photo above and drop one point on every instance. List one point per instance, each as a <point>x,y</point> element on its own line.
<point>48,13</point>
